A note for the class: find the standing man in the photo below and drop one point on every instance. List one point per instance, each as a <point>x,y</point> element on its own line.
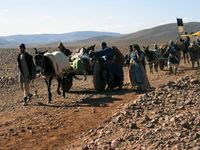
<point>26,72</point>
<point>113,64</point>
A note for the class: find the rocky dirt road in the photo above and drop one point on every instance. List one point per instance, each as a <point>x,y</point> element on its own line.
<point>84,117</point>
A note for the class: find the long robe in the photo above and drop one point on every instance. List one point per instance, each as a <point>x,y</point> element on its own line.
<point>137,72</point>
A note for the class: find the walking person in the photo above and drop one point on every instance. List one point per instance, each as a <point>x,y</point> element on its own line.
<point>26,72</point>
<point>138,74</point>
<point>173,59</point>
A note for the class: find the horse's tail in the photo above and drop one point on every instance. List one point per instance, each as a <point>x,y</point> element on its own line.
<point>75,77</point>
<point>73,73</point>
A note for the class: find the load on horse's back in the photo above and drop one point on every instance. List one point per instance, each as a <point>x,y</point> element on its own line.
<point>108,68</point>
<point>81,63</point>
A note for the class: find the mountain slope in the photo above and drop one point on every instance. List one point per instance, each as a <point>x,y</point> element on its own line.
<point>50,38</point>
<point>159,34</point>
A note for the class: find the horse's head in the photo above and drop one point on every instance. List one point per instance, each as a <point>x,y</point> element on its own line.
<point>91,48</point>
<point>147,53</point>
<point>39,60</point>
<point>146,49</point>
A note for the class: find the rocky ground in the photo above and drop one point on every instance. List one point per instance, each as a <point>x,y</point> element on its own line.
<point>165,118</point>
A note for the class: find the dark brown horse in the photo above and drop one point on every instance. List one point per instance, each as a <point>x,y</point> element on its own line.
<point>181,46</point>
<point>152,58</point>
<point>194,51</point>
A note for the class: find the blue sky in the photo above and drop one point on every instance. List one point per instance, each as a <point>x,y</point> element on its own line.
<point>61,16</point>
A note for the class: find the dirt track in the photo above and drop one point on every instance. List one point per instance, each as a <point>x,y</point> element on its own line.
<point>61,124</point>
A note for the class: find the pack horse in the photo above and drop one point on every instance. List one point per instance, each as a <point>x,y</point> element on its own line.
<point>54,65</point>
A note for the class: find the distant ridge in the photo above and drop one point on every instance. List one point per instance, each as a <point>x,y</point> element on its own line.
<point>158,34</point>
<point>51,38</point>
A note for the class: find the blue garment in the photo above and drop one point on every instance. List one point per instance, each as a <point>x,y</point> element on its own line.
<point>137,71</point>
<point>115,75</point>
<point>108,53</point>
<point>133,56</point>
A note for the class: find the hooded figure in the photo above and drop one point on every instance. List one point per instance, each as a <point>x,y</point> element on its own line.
<point>137,71</point>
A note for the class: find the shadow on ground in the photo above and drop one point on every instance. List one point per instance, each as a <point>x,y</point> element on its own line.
<point>92,99</point>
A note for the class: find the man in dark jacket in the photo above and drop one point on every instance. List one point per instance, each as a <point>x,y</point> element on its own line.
<point>112,65</point>
<point>26,71</point>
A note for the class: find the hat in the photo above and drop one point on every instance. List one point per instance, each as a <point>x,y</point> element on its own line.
<point>60,45</point>
<point>104,44</point>
<point>22,46</point>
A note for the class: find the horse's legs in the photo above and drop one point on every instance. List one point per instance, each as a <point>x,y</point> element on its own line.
<point>170,68</point>
<point>48,82</point>
<point>193,63</point>
<point>60,80</point>
<point>63,88</point>
<point>58,87</point>
<point>176,68</point>
<point>184,57</point>
<point>198,63</point>
<point>151,68</point>
<point>187,55</point>
<point>156,69</point>
<point>85,75</point>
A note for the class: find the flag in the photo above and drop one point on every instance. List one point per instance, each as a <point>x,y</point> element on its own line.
<point>179,22</point>
<point>180,25</point>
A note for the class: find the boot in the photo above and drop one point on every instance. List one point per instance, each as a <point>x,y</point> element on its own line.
<point>170,70</point>
<point>29,97</point>
<point>25,101</point>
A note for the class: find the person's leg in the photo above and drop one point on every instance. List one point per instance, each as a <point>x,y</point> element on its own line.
<point>27,94</point>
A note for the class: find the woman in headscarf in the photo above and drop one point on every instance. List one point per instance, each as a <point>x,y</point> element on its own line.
<point>137,71</point>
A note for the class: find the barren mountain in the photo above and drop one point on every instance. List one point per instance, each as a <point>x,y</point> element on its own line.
<point>159,34</point>
<point>12,41</point>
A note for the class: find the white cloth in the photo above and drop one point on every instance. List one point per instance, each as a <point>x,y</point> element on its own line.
<point>59,61</point>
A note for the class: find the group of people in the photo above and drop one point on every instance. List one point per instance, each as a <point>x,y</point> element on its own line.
<point>113,62</point>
